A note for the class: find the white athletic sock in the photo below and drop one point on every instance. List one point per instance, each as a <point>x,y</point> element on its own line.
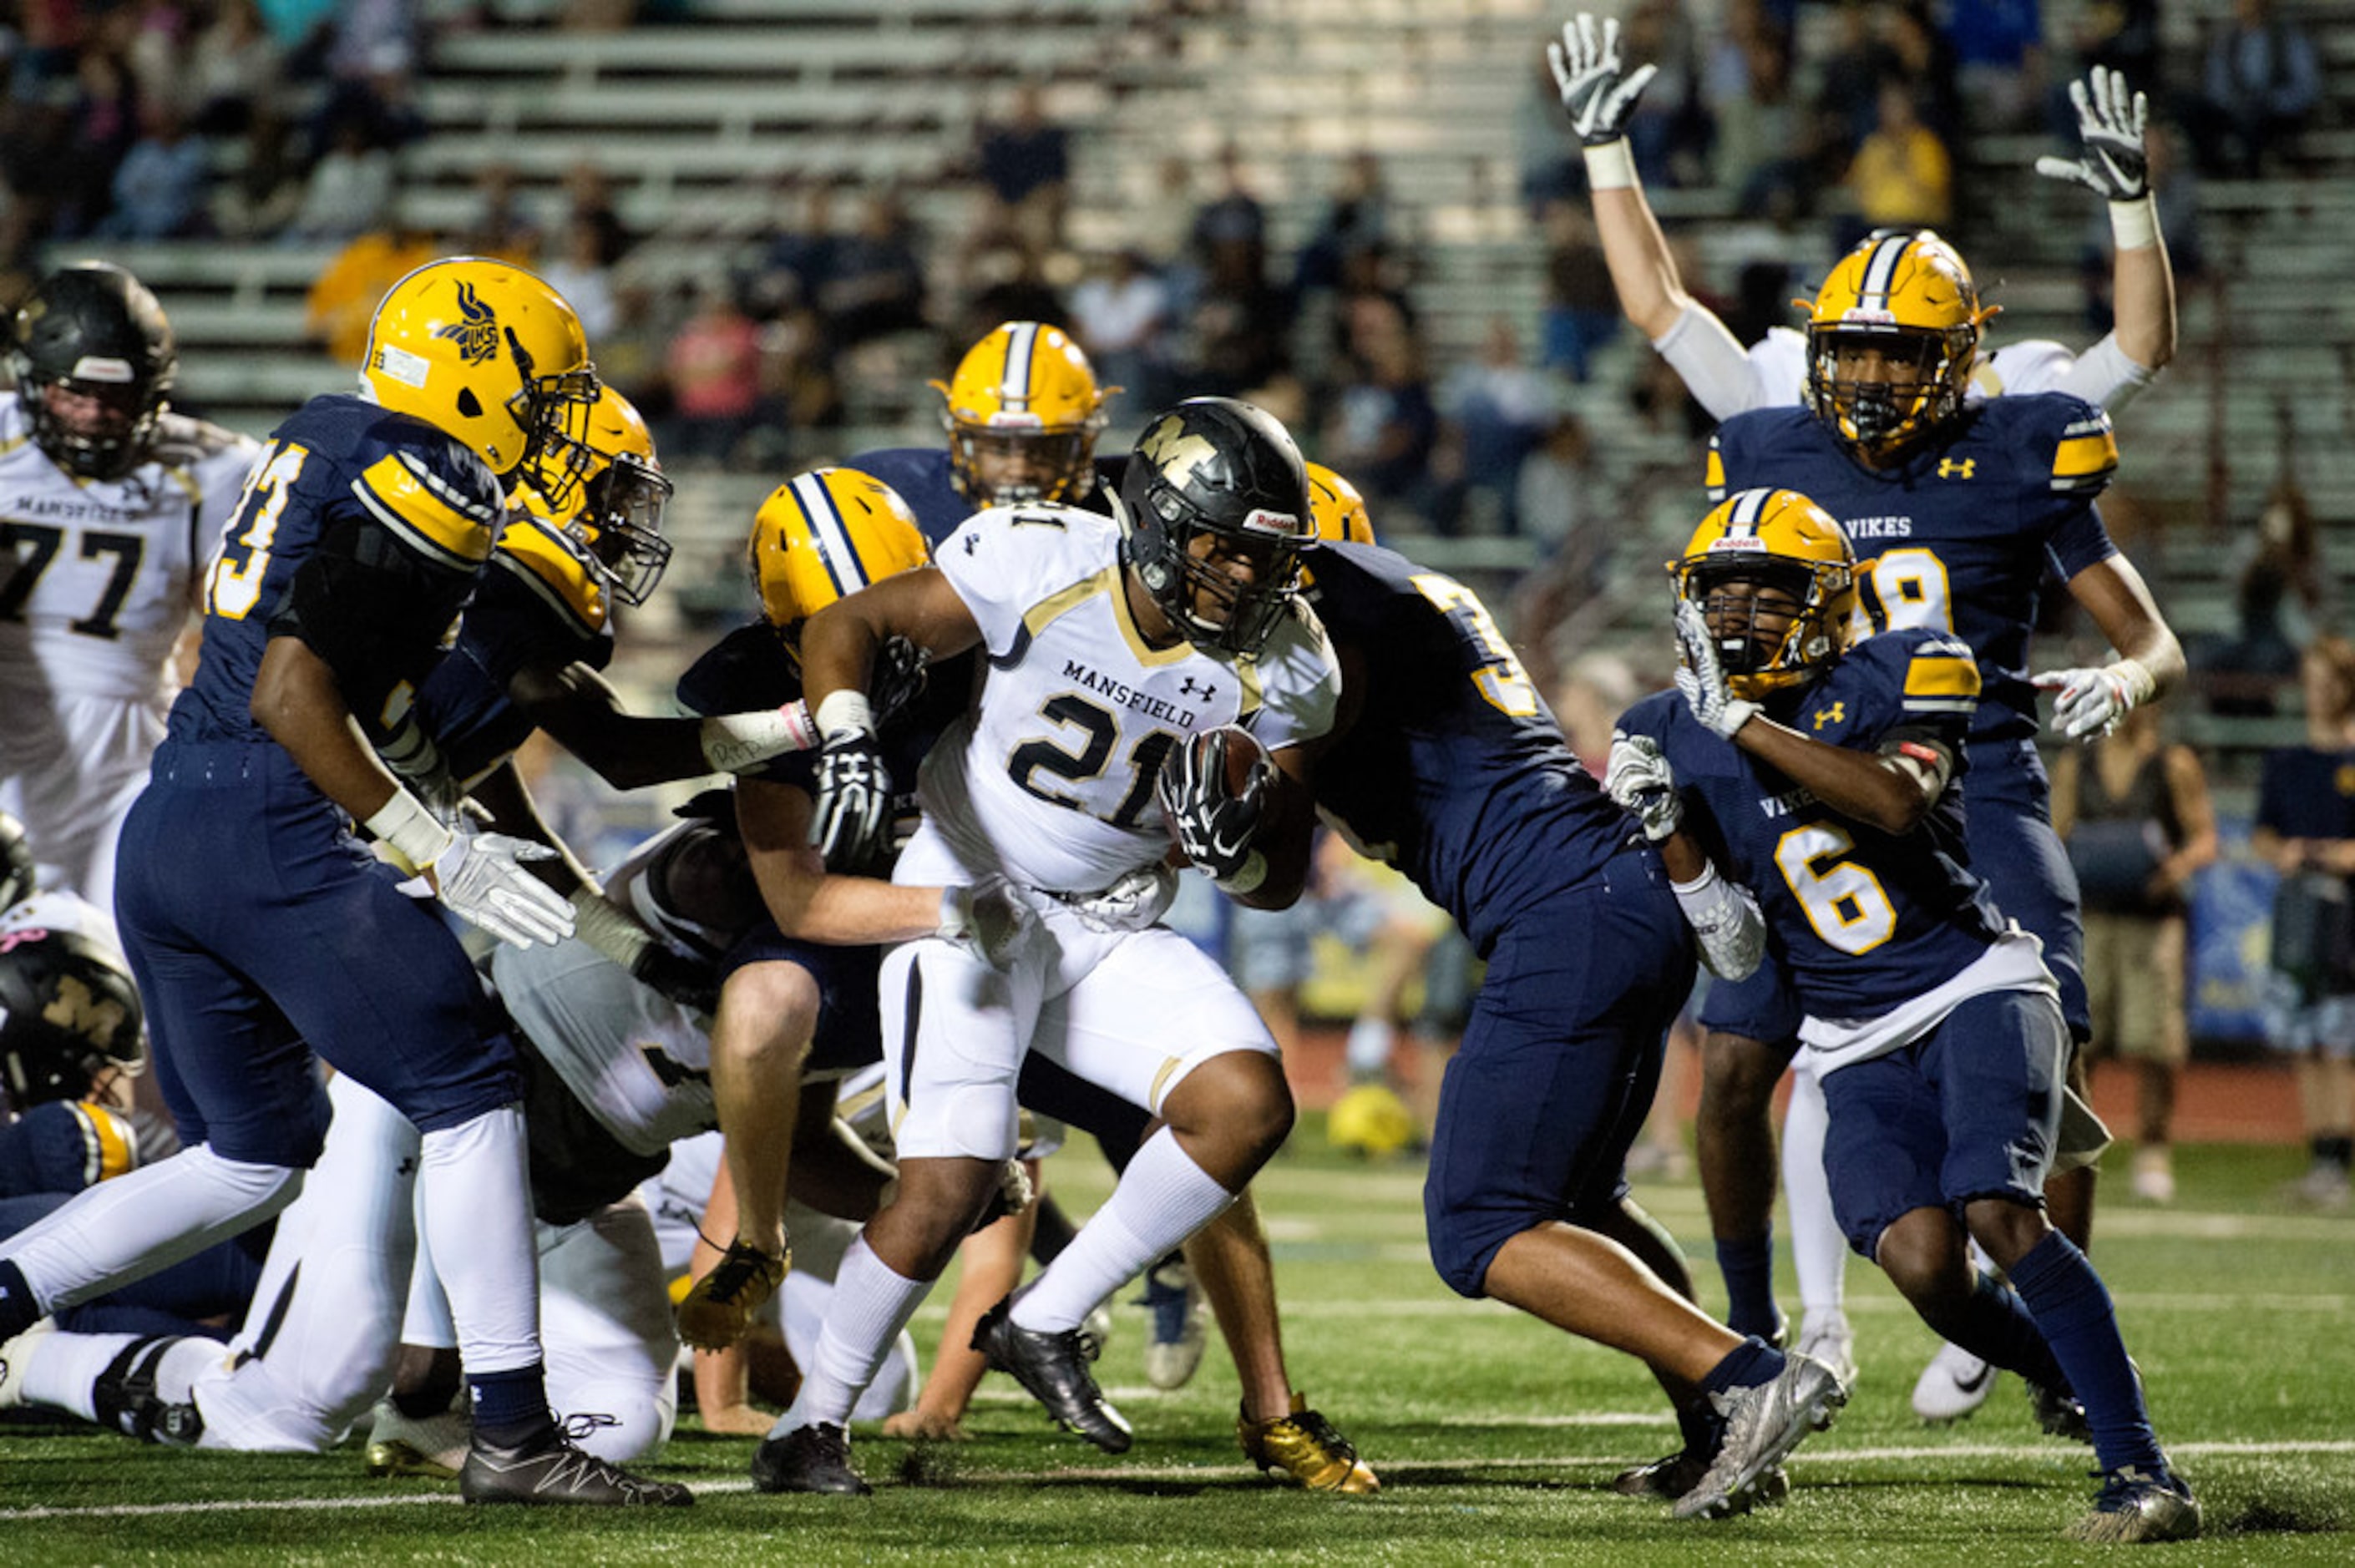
<point>872,1303</point>
<point>65,1370</point>
<point>1371,1039</point>
<point>147,1220</point>
<point>1818,1250</point>
<point>1163,1198</point>
<point>474,1191</point>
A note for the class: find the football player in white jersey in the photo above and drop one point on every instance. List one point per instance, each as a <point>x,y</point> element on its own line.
<point>1726,378</point>
<point>1113,648</point>
<point>106,496</point>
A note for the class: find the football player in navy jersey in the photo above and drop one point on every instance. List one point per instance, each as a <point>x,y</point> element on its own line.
<point>1801,795</point>
<point>1956,510</point>
<point>1446,762</point>
<point>260,929</point>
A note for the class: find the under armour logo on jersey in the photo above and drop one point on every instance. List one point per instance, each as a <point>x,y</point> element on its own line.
<point>1956,468</point>
<point>477,336</point>
<point>1835,713</point>
<point>972,543</point>
<point>408,1166</point>
<point>1204,690</point>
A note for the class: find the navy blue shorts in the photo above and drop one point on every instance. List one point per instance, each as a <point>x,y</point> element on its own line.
<point>849,1016</point>
<point>261,931</point>
<point>2008,814</point>
<point>1968,1111</point>
<point>1559,1061</point>
<point>1761,1006</point>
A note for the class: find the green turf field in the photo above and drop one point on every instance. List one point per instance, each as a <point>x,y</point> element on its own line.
<point>1494,1435</point>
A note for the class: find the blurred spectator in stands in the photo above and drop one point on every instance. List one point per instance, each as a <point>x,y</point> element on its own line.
<point>2135,816</point>
<point>260,198</point>
<point>794,259</point>
<point>500,227</point>
<point>349,191</point>
<point>630,354</point>
<point>1025,161</point>
<point>876,286</point>
<point>1357,217</point>
<point>1766,135</point>
<point>1545,153</point>
<point>1581,313</point>
<point>371,52</point>
<point>2262,84</point>
<point>2280,596</point>
<point>1555,502</point>
<point>1925,63</point>
<point>343,298</point>
<point>1120,313</point>
<point>1383,425</point>
<point>233,68</point>
<point>1004,281</point>
<point>1998,46</point>
<point>2306,831</point>
<point>589,198</point>
<point>1669,132</point>
<point>1162,228</point>
<point>1238,333</point>
<point>1902,176</point>
<point>2120,34</point>
<point>1231,218</point>
<point>1494,409</point>
<point>714,371</point>
<point>105,123</point>
<point>155,47</point>
<point>2176,188</point>
<point>572,263</point>
<point>1848,85</point>
<point>159,187</point>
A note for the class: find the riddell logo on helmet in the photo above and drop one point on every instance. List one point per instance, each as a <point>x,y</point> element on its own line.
<point>478,335</point>
<point>1262,521</point>
<point>1858,315</point>
<point>113,371</point>
<point>1741,542</point>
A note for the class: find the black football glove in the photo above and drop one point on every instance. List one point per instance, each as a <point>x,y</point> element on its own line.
<point>1213,827</point>
<point>898,679</point>
<point>851,821</point>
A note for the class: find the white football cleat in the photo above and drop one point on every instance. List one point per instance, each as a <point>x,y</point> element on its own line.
<point>1954,1384</point>
<point>15,1356</point>
<point>1763,1424</point>
<point>435,1446</point>
<point>1827,1337</point>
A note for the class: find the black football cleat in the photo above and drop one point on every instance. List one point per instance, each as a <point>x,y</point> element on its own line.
<point>814,1458</point>
<point>550,1470</point>
<point>1054,1368</point>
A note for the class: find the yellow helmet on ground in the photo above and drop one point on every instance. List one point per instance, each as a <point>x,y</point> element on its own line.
<point>1338,510</point>
<point>1369,1121</point>
<point>619,497</point>
<point>1779,540</point>
<point>826,534</point>
<point>484,352</point>
<point>1023,414</point>
<point>1905,295</point>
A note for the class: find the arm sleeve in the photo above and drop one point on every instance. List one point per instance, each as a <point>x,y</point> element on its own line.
<point>1722,377</point>
<point>2104,377</point>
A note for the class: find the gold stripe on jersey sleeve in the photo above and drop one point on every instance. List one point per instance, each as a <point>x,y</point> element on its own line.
<point>1111,582</point>
<point>404,500</point>
<point>558,575</point>
<point>1938,675</point>
<point>2079,458</point>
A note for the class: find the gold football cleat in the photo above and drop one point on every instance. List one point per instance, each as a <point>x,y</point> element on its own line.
<point>718,1309</point>
<point>1305,1447</point>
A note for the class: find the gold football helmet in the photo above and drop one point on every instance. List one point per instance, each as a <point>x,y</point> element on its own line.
<point>1338,510</point>
<point>1023,413</point>
<point>1905,296</point>
<point>828,532</point>
<point>620,494</point>
<point>1778,540</point>
<point>485,353</point>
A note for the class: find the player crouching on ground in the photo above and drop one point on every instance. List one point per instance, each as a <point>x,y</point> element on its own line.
<point>1826,829</point>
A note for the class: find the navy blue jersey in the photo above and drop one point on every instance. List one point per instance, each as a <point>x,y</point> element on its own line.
<point>920,476</point>
<point>361,532</point>
<point>1960,536</point>
<point>1453,769</point>
<point>1862,920</point>
<point>2307,794</point>
<point>537,605</point>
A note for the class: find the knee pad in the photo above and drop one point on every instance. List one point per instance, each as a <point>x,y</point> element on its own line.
<point>979,1122</point>
<point>125,1399</point>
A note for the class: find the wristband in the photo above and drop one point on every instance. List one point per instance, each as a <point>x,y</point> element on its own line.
<point>611,930</point>
<point>733,742</point>
<point>1611,166</point>
<point>2135,224</point>
<point>2136,681</point>
<point>1247,876</point>
<point>404,825</point>
<point>844,710</point>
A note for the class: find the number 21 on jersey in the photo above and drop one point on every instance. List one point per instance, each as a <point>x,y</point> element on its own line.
<point>233,586</point>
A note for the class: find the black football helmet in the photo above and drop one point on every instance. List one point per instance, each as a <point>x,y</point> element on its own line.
<point>95,329</point>
<point>67,1009</point>
<point>1219,467</point>
<point>17,882</point>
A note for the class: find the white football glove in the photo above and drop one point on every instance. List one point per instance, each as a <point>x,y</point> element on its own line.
<point>1135,901</point>
<point>1640,782</point>
<point>2110,121</point>
<point>988,919</point>
<point>1702,679</point>
<point>1597,98</point>
<point>2092,702</point>
<point>480,876</point>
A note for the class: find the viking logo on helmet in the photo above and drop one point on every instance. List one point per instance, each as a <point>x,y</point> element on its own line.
<point>477,336</point>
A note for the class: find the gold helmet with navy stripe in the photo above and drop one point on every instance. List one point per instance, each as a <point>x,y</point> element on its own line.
<point>69,1010</point>
<point>1776,540</point>
<point>1337,507</point>
<point>1024,411</point>
<point>619,497</point>
<point>1892,336</point>
<point>485,353</point>
<point>826,534</point>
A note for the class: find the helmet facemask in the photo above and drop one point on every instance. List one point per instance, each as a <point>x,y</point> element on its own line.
<point>1774,622</point>
<point>1062,462</point>
<point>554,412</point>
<point>618,529</point>
<point>1181,555</point>
<point>1881,417</point>
<point>106,447</point>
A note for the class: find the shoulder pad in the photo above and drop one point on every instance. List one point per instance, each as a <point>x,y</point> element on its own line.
<point>553,572</point>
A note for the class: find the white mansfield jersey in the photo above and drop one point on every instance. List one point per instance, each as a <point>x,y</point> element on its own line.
<point>1049,777</point>
<point>99,589</point>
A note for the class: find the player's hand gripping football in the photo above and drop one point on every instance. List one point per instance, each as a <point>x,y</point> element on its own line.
<point>1701,679</point>
<point>480,876</point>
<point>1214,825</point>
<point>850,822</point>
<point>1640,782</point>
<point>2110,121</point>
<point>1596,97</point>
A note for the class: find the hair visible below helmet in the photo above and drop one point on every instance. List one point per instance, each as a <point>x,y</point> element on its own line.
<point>827,533</point>
<point>620,494</point>
<point>94,331</point>
<point>67,1010</point>
<point>1216,466</point>
<point>1780,539</point>
<point>1907,293</point>
<point>18,879</point>
<point>1337,507</point>
<point>1028,385</point>
<point>487,354</point>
